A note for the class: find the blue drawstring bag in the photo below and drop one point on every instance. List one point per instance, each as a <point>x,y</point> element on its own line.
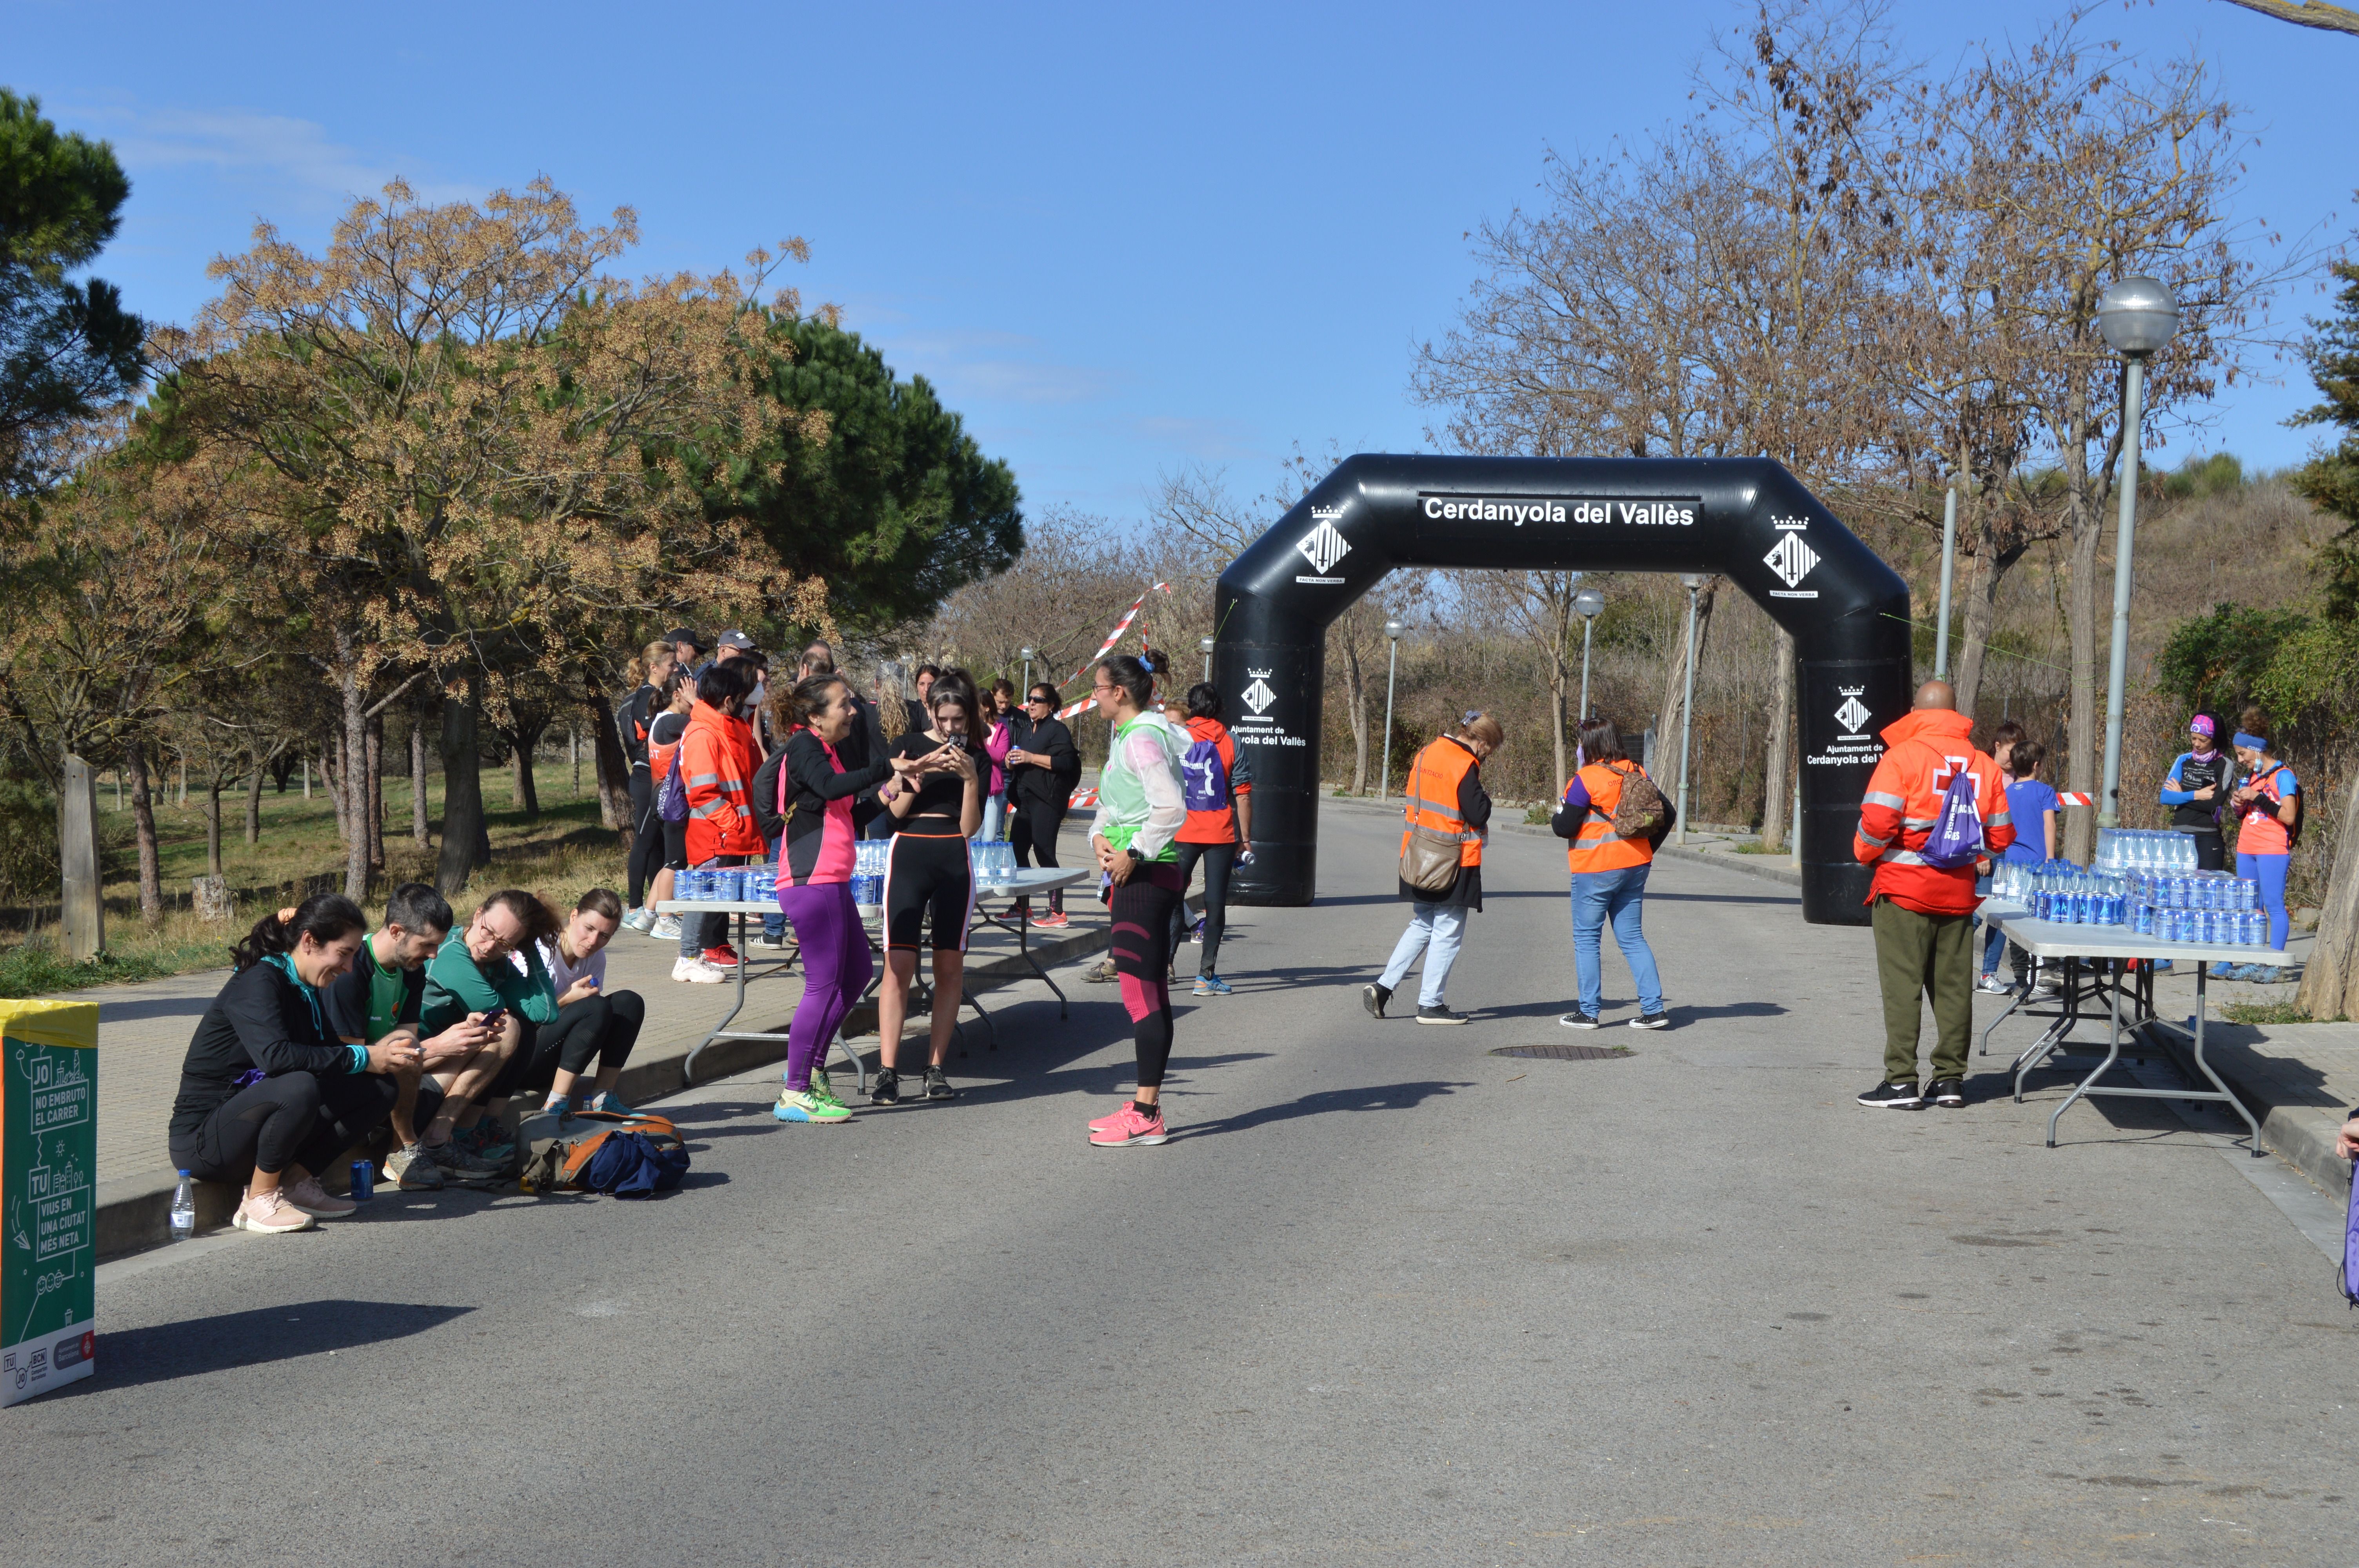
<point>630,1165</point>
<point>2346,1273</point>
<point>1957,837</point>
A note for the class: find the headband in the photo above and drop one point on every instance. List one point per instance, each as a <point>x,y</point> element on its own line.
<point>2257,742</point>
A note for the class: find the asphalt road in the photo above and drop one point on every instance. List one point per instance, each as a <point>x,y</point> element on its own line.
<point>1384,1297</point>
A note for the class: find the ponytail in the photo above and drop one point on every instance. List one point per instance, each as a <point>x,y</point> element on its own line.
<point>323,917</point>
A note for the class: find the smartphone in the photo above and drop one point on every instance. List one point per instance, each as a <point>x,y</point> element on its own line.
<point>494,1018</point>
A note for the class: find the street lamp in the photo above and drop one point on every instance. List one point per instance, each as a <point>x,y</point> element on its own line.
<point>1589,605</point>
<point>1393,629</point>
<point>1692,582</point>
<point>1026,654</point>
<point>2137,316</point>
<point>1205,646</point>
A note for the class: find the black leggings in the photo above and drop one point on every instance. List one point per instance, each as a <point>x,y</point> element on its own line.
<point>646,837</point>
<point>1218,859</point>
<point>597,1028</point>
<point>1141,909</point>
<point>294,1118</point>
<point>928,880</point>
<point>1033,838</point>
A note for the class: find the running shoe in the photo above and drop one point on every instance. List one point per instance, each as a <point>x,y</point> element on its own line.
<point>2261,974</point>
<point>1373,996</point>
<point>1991,985</point>
<point>1652,1020</point>
<point>938,1085</point>
<point>458,1166</point>
<point>823,1091</point>
<point>315,1200</point>
<point>721,958</point>
<point>1102,975</point>
<point>1948,1093</point>
<point>611,1104</point>
<point>1127,1128</point>
<point>666,928</point>
<point>1894,1097</point>
<point>270,1214</point>
<point>2224,970</point>
<point>1438,1014</point>
<point>1055,920</point>
<point>801,1105</point>
<point>640,919</point>
<point>1579,1020</point>
<point>769,943</point>
<point>1211,984</point>
<point>410,1169</point>
<point>885,1087</point>
<point>696,972</point>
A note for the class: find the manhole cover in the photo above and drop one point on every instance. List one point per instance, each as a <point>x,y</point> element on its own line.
<point>1567,1053</point>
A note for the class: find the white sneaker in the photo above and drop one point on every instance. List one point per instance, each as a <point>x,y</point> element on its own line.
<point>696,971</point>
<point>666,928</point>
<point>270,1214</point>
<point>640,918</point>
<point>1991,985</point>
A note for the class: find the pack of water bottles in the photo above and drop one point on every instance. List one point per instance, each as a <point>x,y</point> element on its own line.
<point>994,860</point>
<point>2142,849</point>
<point>727,884</point>
<point>868,871</point>
<point>2213,908</point>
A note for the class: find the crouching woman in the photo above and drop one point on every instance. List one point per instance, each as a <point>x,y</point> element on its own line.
<point>269,1096</point>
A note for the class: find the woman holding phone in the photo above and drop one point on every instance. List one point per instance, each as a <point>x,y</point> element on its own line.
<point>927,878</point>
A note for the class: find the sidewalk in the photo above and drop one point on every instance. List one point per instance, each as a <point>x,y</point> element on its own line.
<point>144,1031</point>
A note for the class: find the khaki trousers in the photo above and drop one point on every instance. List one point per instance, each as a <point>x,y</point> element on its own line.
<point>1915,954</point>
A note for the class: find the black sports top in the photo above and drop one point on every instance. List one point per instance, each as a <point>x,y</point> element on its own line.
<point>940,796</point>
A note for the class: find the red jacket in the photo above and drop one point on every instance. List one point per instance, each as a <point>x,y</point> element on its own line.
<point>717,754</point>
<point>1923,751</point>
<point>1218,825</point>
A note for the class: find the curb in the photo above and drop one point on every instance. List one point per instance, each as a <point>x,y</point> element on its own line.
<point>1773,867</point>
<point>135,1213</point>
<point>2300,1135</point>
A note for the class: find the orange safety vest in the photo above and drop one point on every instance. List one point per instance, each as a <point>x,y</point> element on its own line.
<point>1432,798</point>
<point>1596,849</point>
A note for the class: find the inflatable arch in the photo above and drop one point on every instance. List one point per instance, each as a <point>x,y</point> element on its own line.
<point>1745,517</point>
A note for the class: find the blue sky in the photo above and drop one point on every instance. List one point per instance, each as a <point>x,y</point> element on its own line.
<point>1120,241</point>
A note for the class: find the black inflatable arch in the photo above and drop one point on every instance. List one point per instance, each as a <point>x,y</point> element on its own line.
<point>1745,517</point>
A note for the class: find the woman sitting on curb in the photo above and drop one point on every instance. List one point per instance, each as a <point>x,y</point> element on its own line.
<point>269,1097</point>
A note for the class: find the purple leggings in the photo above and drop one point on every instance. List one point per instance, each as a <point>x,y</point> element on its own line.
<point>836,969</point>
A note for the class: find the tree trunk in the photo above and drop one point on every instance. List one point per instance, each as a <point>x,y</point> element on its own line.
<point>2080,731</point>
<point>574,755</point>
<point>1669,717</point>
<point>612,766</point>
<point>352,773</point>
<point>184,781</point>
<point>1356,705</point>
<point>1556,720</point>
<point>419,834</point>
<point>253,806</point>
<point>331,781</point>
<point>466,843</point>
<point>2330,981</point>
<point>143,811</point>
<point>1776,805</point>
<point>527,792</point>
<point>375,815</point>
<point>213,827</point>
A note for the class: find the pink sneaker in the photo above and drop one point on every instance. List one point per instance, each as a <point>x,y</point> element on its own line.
<point>1126,1127</point>
<point>317,1201</point>
<point>270,1213</point>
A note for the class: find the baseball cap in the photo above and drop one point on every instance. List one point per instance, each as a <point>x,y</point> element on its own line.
<point>682,634</point>
<point>737,640</point>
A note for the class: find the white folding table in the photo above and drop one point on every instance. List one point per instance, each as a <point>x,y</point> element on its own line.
<point>1026,883</point>
<point>2109,947</point>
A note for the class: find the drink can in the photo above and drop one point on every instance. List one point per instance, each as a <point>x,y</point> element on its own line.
<point>363,1181</point>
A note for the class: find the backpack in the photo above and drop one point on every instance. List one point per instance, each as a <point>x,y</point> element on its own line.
<point>2300,811</point>
<point>1957,837</point>
<point>1641,812</point>
<point>2347,1269</point>
<point>671,799</point>
<point>631,1156</point>
<point>1203,778</point>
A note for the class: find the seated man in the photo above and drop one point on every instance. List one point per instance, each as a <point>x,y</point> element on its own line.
<point>381,998</point>
<point>473,974</point>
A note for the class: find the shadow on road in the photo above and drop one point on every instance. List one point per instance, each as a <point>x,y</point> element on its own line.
<point>1327,1102</point>
<point>195,1347</point>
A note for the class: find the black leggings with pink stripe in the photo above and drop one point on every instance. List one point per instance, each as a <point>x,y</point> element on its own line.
<point>1142,955</point>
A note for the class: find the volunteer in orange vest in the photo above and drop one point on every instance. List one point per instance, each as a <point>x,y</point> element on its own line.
<point>1217,781</point>
<point>1924,915</point>
<point>1609,879</point>
<point>2267,807</point>
<point>716,762</point>
<point>1444,794</point>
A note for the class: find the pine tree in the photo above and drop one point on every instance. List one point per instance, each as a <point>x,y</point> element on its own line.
<point>2331,480</point>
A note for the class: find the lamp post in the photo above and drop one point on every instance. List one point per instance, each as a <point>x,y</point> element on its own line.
<point>1692,582</point>
<point>1027,655</point>
<point>1589,605</point>
<point>1949,563</point>
<point>2137,316</point>
<point>1205,646</point>
<point>1393,629</point>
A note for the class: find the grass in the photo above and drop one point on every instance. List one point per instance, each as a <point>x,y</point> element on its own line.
<point>561,856</point>
<point>2272,1012</point>
<point>1754,847</point>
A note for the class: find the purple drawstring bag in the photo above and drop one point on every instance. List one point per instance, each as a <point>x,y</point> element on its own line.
<point>1957,837</point>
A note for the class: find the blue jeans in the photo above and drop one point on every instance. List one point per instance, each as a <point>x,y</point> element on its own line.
<point>1436,930</point>
<point>1619,896</point>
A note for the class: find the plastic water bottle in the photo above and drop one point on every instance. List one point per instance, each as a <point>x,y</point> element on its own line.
<point>184,1210</point>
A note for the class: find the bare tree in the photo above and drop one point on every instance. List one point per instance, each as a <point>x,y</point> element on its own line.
<point>2305,13</point>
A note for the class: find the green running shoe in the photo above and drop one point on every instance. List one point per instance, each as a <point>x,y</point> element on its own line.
<point>805,1105</point>
<point>823,1091</point>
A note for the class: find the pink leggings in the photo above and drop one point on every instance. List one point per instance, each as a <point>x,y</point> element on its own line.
<point>836,969</point>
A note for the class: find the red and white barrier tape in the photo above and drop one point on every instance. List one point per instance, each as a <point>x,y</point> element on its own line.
<point>2067,797</point>
<point>1086,797</point>
<point>1106,647</point>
